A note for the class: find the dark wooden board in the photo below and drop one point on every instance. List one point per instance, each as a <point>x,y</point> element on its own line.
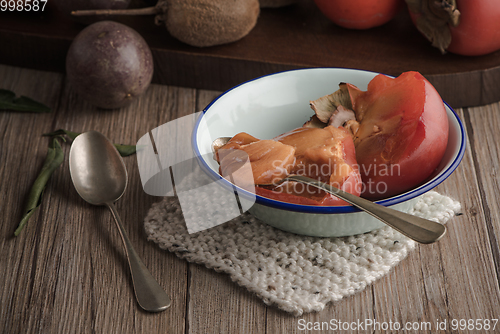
<point>297,36</point>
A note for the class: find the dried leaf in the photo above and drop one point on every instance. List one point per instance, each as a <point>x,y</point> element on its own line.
<point>326,105</point>
<point>434,18</point>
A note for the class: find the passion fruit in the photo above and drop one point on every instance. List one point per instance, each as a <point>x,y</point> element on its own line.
<point>109,64</point>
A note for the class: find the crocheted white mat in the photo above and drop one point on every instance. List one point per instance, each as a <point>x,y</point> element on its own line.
<point>296,273</point>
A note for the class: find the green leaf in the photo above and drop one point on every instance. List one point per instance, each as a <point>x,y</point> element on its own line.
<point>54,158</point>
<point>8,101</point>
<point>72,135</point>
<point>124,150</point>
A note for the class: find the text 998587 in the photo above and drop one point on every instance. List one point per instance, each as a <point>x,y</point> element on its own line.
<point>22,5</point>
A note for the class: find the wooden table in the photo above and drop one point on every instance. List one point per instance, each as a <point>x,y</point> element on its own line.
<point>66,272</point>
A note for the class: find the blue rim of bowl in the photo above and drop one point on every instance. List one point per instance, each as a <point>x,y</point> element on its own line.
<point>427,186</point>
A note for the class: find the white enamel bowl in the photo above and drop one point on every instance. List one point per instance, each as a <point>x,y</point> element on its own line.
<point>273,104</point>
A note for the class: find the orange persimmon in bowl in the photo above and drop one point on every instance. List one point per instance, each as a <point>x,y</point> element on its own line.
<point>274,106</point>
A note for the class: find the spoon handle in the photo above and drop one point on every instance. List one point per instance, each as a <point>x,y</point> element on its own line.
<point>149,294</point>
<point>416,228</point>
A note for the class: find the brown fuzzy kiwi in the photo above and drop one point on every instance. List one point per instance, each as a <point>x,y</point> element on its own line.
<point>210,22</point>
<point>199,23</point>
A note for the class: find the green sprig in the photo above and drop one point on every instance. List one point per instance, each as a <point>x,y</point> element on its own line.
<point>124,150</point>
<point>54,158</point>
<point>8,101</point>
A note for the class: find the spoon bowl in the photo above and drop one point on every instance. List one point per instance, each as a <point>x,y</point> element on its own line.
<point>100,178</point>
<point>98,173</point>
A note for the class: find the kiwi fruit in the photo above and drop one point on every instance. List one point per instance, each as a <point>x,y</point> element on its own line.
<point>210,22</point>
<point>200,23</point>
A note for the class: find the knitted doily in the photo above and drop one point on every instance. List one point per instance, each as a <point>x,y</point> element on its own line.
<point>295,273</point>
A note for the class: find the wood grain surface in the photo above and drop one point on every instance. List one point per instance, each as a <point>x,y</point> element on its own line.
<point>296,36</point>
<point>66,272</point>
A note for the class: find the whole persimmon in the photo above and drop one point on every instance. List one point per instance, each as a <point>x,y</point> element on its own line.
<point>359,14</point>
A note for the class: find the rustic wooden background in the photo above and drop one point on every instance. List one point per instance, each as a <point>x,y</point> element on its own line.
<point>66,272</point>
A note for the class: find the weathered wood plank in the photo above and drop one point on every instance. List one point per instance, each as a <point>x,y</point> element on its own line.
<point>74,254</point>
<point>358,306</point>
<point>484,124</point>
<point>24,260</point>
<point>216,304</point>
<point>159,105</point>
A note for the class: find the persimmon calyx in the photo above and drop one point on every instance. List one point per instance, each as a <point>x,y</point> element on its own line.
<point>434,18</point>
<point>334,109</point>
<point>326,105</point>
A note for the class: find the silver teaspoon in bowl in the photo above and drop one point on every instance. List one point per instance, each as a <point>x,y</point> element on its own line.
<point>419,229</point>
<point>100,178</point>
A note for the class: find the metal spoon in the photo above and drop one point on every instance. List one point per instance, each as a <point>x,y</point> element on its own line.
<point>416,228</point>
<point>100,178</point>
